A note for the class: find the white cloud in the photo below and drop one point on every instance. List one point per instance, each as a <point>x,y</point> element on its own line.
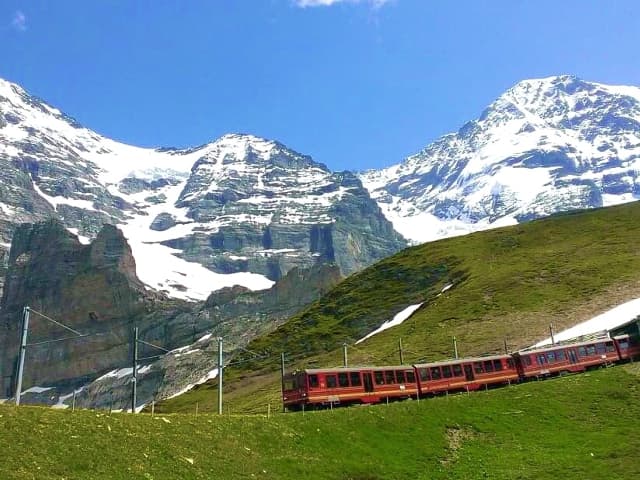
<point>328,3</point>
<point>19,21</point>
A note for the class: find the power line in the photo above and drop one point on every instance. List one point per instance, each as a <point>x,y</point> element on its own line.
<point>154,346</point>
<point>45,342</point>
<point>56,322</point>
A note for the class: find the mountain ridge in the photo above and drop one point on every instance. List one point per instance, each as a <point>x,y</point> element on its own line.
<point>240,210</point>
<point>544,146</point>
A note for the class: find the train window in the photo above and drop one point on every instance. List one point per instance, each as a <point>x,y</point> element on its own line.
<point>400,376</point>
<point>610,347</point>
<point>379,378</point>
<point>582,352</point>
<point>343,379</point>
<point>591,350</point>
<point>600,348</point>
<point>289,384</point>
<point>551,357</point>
<point>527,360</point>
<point>497,365</point>
<point>424,374</point>
<point>624,344</point>
<point>313,381</point>
<point>477,367</point>
<point>446,371</point>
<point>331,381</point>
<point>560,355</point>
<point>435,373</point>
<point>411,378</point>
<point>542,359</point>
<point>388,377</point>
<point>355,379</point>
<point>510,362</point>
<point>488,366</point>
<point>457,370</point>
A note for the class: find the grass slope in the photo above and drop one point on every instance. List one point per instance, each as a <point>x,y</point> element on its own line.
<point>508,284</point>
<point>582,426</point>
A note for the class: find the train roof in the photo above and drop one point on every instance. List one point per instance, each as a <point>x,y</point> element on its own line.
<point>355,369</point>
<point>559,346</point>
<point>453,361</point>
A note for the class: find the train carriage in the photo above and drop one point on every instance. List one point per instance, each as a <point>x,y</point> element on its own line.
<point>340,386</point>
<point>557,359</point>
<point>628,347</point>
<point>465,374</point>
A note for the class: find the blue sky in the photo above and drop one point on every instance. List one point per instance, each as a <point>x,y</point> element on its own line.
<point>355,83</point>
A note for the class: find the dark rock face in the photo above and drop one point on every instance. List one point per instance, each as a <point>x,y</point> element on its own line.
<point>90,288</point>
<point>235,313</point>
<point>94,290</point>
<point>240,314</point>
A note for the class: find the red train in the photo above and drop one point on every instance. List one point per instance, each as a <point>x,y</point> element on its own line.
<point>346,386</point>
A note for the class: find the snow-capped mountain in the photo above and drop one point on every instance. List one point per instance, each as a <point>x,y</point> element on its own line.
<point>544,146</point>
<point>240,210</point>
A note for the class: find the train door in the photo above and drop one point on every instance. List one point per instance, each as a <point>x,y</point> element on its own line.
<point>368,381</point>
<point>572,355</point>
<point>468,372</point>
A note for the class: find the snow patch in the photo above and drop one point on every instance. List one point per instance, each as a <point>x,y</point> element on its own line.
<point>210,375</point>
<point>37,390</point>
<point>397,320</point>
<point>606,321</point>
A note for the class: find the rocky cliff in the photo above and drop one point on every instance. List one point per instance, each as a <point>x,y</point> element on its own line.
<point>94,290</point>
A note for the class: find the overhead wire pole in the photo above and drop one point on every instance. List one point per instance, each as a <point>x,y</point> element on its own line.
<point>401,351</point>
<point>345,361</point>
<point>136,359</point>
<point>23,343</point>
<point>23,351</point>
<point>284,409</point>
<point>219,375</point>
<point>134,378</point>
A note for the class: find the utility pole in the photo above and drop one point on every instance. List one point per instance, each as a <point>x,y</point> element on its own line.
<point>344,354</point>
<point>23,351</point>
<point>401,351</point>
<point>506,350</point>
<point>284,409</point>
<point>219,375</point>
<point>553,341</point>
<point>455,348</point>
<point>134,379</point>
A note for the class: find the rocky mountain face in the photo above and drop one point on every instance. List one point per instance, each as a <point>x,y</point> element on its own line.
<point>239,211</point>
<point>544,146</point>
<point>236,314</point>
<point>257,206</point>
<point>93,289</point>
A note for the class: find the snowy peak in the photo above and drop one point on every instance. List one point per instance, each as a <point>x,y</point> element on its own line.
<point>545,145</point>
<point>241,210</point>
<point>251,150</point>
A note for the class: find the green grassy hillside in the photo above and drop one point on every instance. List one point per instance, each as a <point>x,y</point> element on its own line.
<point>582,426</point>
<point>508,284</point>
